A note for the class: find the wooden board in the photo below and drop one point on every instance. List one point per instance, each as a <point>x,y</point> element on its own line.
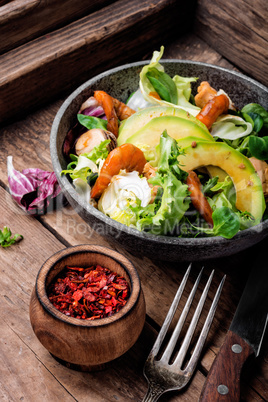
<point>36,72</point>
<point>239,31</point>
<point>24,20</point>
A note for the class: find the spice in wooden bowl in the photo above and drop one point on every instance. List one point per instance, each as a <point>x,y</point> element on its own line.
<point>82,339</point>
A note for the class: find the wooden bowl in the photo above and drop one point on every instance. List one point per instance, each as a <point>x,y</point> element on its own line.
<point>78,343</point>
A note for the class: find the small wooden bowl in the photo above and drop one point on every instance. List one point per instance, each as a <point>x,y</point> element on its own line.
<point>78,343</point>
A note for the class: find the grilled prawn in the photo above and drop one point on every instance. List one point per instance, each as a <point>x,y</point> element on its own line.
<point>127,157</point>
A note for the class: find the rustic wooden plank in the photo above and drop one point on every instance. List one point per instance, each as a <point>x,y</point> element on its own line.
<point>3,2</point>
<point>38,71</point>
<point>23,375</point>
<point>191,47</point>
<point>24,20</point>
<point>238,31</point>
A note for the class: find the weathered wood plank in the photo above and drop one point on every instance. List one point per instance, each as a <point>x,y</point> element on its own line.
<point>23,375</point>
<point>24,20</point>
<point>39,70</point>
<point>238,31</point>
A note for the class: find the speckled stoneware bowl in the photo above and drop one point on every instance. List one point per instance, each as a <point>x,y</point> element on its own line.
<point>120,83</point>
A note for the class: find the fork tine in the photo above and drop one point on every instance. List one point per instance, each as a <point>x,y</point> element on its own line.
<point>203,335</point>
<point>170,314</point>
<point>189,334</point>
<point>176,333</point>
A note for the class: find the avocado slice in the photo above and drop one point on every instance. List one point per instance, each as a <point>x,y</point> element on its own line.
<point>249,193</point>
<point>176,127</point>
<point>139,119</point>
<point>212,171</point>
<point>191,140</point>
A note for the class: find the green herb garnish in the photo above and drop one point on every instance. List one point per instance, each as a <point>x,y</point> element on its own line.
<point>5,237</point>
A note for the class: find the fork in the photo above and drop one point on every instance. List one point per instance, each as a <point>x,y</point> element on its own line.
<point>163,375</point>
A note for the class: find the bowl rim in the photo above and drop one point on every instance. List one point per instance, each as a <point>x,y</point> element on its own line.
<point>120,259</point>
<point>120,227</point>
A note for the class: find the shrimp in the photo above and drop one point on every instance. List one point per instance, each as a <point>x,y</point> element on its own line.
<point>198,199</point>
<point>123,111</point>
<point>127,157</point>
<point>205,94</point>
<point>113,109</point>
<point>106,101</point>
<point>213,109</point>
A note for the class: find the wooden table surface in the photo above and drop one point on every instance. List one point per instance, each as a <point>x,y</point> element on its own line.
<point>27,371</point>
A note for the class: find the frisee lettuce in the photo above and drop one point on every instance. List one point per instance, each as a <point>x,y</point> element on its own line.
<point>162,216</point>
<point>85,166</point>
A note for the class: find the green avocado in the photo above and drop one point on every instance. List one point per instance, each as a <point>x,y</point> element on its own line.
<point>191,140</point>
<point>139,119</point>
<point>176,127</point>
<point>249,193</point>
<point>212,171</point>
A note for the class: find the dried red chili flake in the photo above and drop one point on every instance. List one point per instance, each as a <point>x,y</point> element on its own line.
<point>88,293</point>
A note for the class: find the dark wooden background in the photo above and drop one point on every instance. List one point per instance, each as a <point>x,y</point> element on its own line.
<point>49,48</point>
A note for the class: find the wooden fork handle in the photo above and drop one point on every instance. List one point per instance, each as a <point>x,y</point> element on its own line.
<point>223,380</point>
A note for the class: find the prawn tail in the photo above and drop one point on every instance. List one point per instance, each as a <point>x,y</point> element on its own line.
<point>213,109</point>
<point>106,101</point>
<point>123,111</point>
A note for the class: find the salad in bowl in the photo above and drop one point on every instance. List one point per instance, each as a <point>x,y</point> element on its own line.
<point>170,161</point>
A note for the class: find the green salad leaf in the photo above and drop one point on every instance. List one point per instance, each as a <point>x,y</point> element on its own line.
<point>226,223</point>
<point>6,238</point>
<point>98,152</point>
<point>174,91</point>
<point>92,122</point>
<point>85,166</point>
<point>163,85</point>
<point>258,147</point>
<point>254,109</point>
<point>172,202</point>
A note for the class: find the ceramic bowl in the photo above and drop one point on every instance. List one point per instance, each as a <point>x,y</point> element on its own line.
<point>79,343</point>
<point>121,82</point>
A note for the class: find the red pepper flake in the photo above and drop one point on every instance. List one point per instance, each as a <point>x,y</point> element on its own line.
<point>88,293</point>
<point>194,144</point>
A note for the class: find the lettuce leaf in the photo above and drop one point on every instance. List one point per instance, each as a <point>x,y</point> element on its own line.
<point>87,164</point>
<point>255,108</point>
<point>165,213</point>
<point>179,91</point>
<point>231,127</point>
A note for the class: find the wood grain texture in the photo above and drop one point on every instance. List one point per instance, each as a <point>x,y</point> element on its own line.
<point>226,367</point>
<point>49,65</point>
<point>24,20</point>
<point>237,30</point>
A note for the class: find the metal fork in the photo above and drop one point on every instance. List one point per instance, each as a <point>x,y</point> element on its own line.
<point>163,375</point>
